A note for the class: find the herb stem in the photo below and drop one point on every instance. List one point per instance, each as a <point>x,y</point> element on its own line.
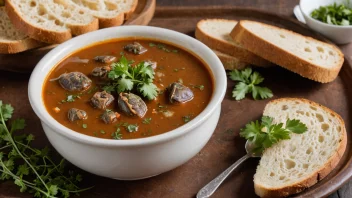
<point>18,151</point>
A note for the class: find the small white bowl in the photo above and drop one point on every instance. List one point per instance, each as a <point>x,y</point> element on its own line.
<point>336,33</point>
<point>136,158</point>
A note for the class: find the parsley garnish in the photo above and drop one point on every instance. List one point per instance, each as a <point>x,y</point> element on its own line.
<point>126,78</point>
<point>147,120</point>
<point>333,14</point>
<point>248,82</point>
<point>84,126</point>
<point>30,168</point>
<point>187,118</point>
<point>132,128</point>
<point>117,134</point>
<point>264,134</point>
<point>152,45</point>
<point>200,87</point>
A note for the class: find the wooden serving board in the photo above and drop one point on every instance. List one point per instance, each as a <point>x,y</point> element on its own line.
<point>25,61</point>
<point>225,146</point>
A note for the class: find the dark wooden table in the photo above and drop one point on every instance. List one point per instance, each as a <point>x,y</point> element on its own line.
<point>284,7</point>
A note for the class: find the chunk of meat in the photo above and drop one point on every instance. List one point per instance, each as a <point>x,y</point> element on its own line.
<point>101,71</point>
<point>74,81</point>
<point>109,117</point>
<point>76,114</point>
<point>132,105</point>
<point>153,64</point>
<point>101,100</point>
<point>179,93</point>
<point>135,48</point>
<point>105,59</point>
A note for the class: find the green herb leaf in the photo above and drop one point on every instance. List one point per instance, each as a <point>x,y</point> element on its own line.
<point>334,14</point>
<point>264,134</point>
<point>248,82</point>
<point>187,118</point>
<point>124,84</point>
<point>132,128</point>
<point>147,120</point>
<point>295,126</point>
<point>30,168</point>
<point>84,126</point>
<point>124,77</point>
<point>117,134</point>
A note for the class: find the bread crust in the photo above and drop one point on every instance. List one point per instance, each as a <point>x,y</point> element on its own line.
<point>230,62</point>
<point>19,46</point>
<point>129,13</point>
<point>79,29</point>
<point>317,175</point>
<point>224,47</point>
<point>111,22</point>
<point>32,31</point>
<point>284,58</point>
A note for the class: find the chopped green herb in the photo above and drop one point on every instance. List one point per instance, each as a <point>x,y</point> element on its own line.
<point>152,45</point>
<point>132,128</point>
<point>102,132</point>
<point>31,169</point>
<point>200,87</point>
<point>84,126</point>
<point>95,134</point>
<point>122,53</point>
<point>147,120</point>
<point>248,82</point>
<point>187,118</point>
<point>264,134</point>
<point>117,134</point>
<point>334,14</point>
<point>126,78</point>
<point>175,70</point>
<point>175,51</point>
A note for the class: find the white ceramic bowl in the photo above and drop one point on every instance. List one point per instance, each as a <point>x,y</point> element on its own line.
<point>136,158</point>
<point>338,34</point>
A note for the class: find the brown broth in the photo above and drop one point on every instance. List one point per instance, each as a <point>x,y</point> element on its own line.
<point>174,65</point>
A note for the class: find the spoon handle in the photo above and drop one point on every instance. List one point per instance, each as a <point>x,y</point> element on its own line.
<point>210,188</point>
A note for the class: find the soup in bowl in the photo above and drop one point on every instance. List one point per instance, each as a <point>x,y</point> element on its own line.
<point>128,102</point>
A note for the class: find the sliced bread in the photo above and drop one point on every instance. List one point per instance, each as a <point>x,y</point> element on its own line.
<point>303,55</point>
<point>230,62</point>
<point>290,166</point>
<point>215,33</point>
<point>109,12</point>
<point>50,21</point>
<point>11,40</point>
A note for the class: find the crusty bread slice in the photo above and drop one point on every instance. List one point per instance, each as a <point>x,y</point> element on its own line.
<point>290,166</point>
<point>50,21</point>
<point>12,40</point>
<point>109,12</point>
<point>303,55</point>
<point>215,34</point>
<point>230,62</point>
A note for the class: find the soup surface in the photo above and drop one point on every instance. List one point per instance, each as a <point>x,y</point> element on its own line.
<point>163,114</point>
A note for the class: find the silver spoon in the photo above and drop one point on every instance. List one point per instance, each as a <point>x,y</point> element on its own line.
<point>211,187</point>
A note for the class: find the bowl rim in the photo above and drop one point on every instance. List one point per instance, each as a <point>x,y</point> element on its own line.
<point>320,22</point>
<point>42,70</point>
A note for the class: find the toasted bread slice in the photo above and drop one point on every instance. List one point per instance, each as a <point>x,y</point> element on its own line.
<point>303,55</point>
<point>230,62</point>
<point>215,33</point>
<point>50,21</point>
<point>12,40</point>
<point>292,165</point>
